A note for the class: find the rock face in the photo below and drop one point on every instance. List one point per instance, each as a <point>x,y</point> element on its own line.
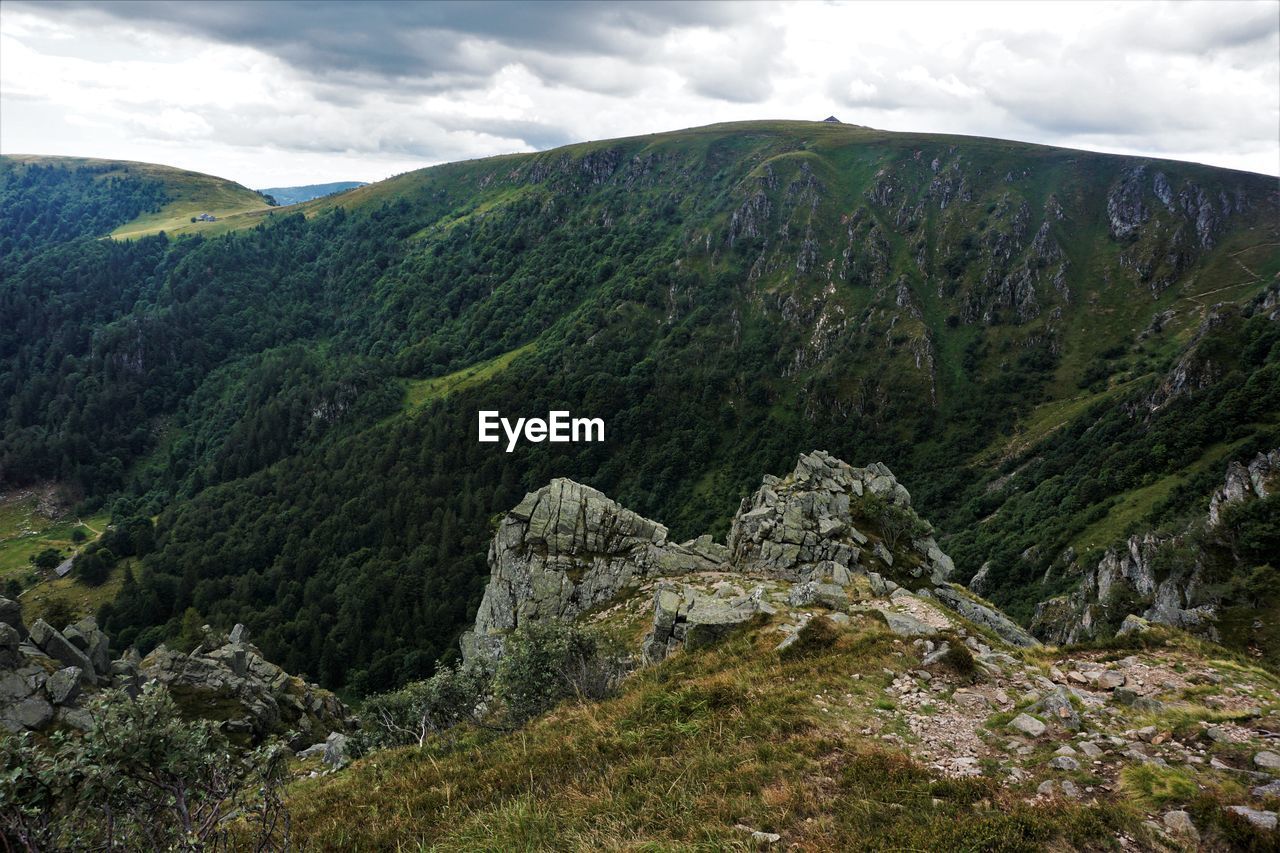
<point>1258,479</point>
<point>44,672</point>
<point>254,697</point>
<point>568,550</point>
<point>683,616</point>
<point>792,524</point>
<point>980,614</point>
<point>1132,576</point>
<point>564,550</point>
<point>45,680</point>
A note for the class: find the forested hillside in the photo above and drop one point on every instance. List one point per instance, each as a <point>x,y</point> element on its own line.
<point>1050,348</point>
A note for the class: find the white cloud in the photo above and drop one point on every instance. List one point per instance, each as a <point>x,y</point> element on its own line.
<point>253,97</point>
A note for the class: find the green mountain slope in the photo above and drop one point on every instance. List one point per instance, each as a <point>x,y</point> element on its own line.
<point>184,194</point>
<point>725,297</point>
<point>297,195</point>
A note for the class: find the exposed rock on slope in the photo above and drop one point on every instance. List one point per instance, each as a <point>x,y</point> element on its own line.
<point>795,544</point>
<point>565,549</point>
<point>1132,578</point>
<point>46,675</point>
<point>253,696</point>
<point>1257,480</point>
<point>790,525</point>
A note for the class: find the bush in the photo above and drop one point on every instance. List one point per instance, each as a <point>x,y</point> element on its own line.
<point>91,568</point>
<point>546,663</point>
<point>424,708</point>
<point>47,559</point>
<point>896,523</point>
<point>142,778</point>
<point>959,658</point>
<point>59,613</point>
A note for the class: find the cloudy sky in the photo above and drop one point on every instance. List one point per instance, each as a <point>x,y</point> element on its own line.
<point>285,93</point>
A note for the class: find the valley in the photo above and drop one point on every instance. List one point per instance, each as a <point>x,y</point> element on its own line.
<point>1047,573</point>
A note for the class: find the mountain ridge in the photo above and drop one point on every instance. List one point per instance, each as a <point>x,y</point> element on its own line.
<point>726,297</point>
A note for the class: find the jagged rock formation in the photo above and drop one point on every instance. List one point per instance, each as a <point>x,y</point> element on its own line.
<point>1129,577</point>
<point>1258,479</point>
<point>567,549</point>
<point>43,672</point>
<point>791,525</point>
<point>46,675</point>
<point>254,697</point>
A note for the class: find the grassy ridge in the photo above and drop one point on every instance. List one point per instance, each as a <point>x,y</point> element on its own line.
<point>689,751</point>
<point>190,194</point>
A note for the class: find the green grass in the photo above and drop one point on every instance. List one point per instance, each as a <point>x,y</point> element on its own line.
<point>419,392</point>
<point>25,532</point>
<point>690,749</point>
<point>190,194</point>
<point>82,600</point>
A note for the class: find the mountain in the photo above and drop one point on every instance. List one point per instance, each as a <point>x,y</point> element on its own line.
<point>297,195</point>
<point>126,199</point>
<point>817,682</point>
<point>1053,350</point>
<point>784,676</point>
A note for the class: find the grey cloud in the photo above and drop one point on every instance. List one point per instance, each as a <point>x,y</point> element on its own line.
<point>417,43</point>
<point>1202,28</point>
<point>534,134</point>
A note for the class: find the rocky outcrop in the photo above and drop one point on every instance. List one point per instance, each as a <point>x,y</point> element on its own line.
<point>792,524</point>
<point>795,545</point>
<point>253,697</point>
<point>1157,578</point>
<point>44,673</point>
<point>682,616</point>
<point>563,550</point>
<point>1126,212</point>
<point>47,676</point>
<point>1198,368</point>
<point>1258,479</point>
<point>984,616</point>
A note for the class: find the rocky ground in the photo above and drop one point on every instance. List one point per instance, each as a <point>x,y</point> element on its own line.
<point>1089,725</point>
<point>47,678</point>
<point>1154,718</point>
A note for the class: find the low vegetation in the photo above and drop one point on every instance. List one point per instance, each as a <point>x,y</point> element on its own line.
<point>141,778</point>
<point>687,753</point>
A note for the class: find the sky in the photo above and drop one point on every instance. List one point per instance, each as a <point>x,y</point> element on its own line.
<point>285,93</point>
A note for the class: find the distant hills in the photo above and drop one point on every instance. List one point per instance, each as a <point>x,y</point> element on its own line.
<point>1053,350</point>
<point>181,194</point>
<point>297,195</point>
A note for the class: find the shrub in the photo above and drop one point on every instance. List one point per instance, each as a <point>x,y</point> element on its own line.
<point>422,709</point>
<point>546,663</point>
<point>142,778</point>
<point>47,559</point>
<point>59,613</point>
<point>959,658</point>
<point>896,523</point>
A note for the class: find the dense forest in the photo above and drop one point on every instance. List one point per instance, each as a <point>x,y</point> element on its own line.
<point>45,204</point>
<point>294,403</point>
